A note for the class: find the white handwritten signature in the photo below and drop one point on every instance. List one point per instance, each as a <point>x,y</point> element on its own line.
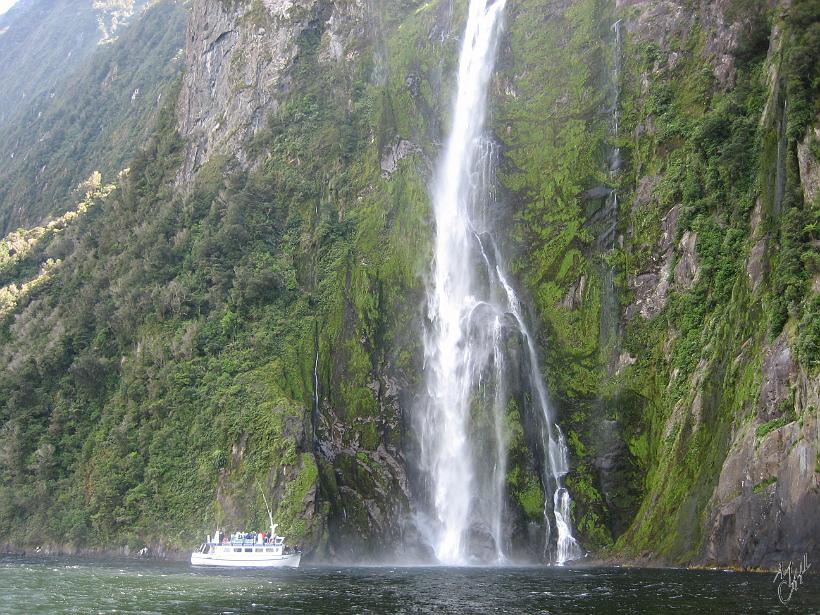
<point>790,579</point>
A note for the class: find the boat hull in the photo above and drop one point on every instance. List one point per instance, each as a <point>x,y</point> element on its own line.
<point>230,560</point>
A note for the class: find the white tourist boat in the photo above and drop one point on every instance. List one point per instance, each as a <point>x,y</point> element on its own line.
<point>247,550</point>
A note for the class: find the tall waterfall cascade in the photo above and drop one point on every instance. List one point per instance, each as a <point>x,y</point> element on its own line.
<point>609,214</point>
<point>606,240</point>
<point>474,316</point>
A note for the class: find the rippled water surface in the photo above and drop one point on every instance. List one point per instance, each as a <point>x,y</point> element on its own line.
<point>65,585</point>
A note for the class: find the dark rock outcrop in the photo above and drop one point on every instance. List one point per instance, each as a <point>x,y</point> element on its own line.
<point>766,501</point>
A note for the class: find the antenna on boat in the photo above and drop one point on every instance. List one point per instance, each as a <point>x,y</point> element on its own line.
<point>270,515</point>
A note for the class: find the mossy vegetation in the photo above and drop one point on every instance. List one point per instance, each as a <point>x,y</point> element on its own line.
<point>766,428</point>
<point>555,139</point>
<point>764,485</point>
<point>691,144</point>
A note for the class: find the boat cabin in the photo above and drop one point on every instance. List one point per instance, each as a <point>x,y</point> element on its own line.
<point>245,542</point>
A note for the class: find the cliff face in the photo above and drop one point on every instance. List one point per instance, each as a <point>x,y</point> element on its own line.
<point>753,505</point>
<point>236,68</point>
<point>663,260</point>
<point>244,306</point>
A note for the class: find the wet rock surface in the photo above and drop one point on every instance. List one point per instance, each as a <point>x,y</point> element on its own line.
<point>809,165</point>
<point>394,153</point>
<point>768,494</point>
<point>239,58</point>
<point>652,286</point>
<point>686,270</point>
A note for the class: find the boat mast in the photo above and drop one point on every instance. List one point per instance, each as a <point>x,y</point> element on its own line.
<point>270,515</point>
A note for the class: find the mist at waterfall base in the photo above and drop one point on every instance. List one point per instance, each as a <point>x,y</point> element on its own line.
<point>62,586</point>
<point>479,353</point>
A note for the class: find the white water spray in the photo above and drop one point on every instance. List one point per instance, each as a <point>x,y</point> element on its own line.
<point>473,314</point>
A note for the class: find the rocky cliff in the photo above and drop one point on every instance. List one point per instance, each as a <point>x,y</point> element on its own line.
<point>242,307</point>
<point>673,262</point>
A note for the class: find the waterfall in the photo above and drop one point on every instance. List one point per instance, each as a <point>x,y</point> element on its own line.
<point>609,216</point>
<point>314,415</point>
<point>473,312</point>
<point>615,121</point>
<point>610,326</point>
<point>316,382</point>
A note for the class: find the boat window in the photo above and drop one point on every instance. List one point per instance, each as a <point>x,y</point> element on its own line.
<point>248,550</point>
<point>268,550</point>
<point>258,550</point>
<point>237,550</point>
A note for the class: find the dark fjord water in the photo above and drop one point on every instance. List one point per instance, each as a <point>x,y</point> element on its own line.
<point>63,585</point>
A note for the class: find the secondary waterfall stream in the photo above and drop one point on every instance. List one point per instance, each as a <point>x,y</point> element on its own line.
<point>606,240</point>
<point>473,313</point>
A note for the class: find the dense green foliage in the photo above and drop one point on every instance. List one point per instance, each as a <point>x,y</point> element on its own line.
<point>168,356</point>
<point>156,360</point>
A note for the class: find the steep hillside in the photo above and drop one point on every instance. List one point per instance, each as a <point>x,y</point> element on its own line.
<point>244,305</point>
<point>213,292</point>
<point>93,118</point>
<point>42,40</point>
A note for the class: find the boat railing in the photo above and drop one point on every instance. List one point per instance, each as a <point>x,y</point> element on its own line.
<point>247,542</point>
